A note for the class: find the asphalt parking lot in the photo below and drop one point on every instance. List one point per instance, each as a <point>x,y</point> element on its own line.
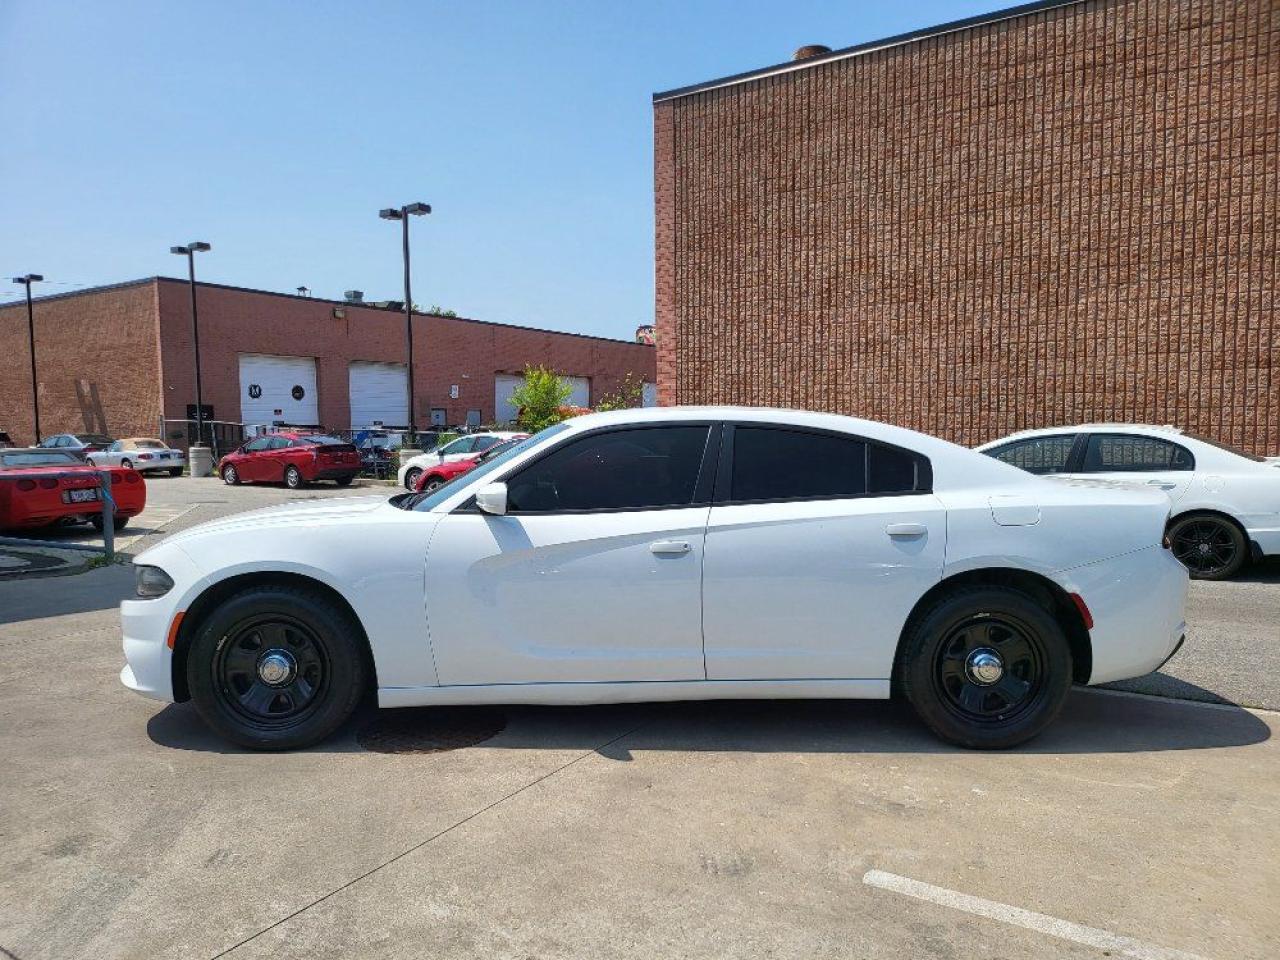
<point>1138,825</point>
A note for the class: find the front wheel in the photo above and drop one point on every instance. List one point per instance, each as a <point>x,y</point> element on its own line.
<point>433,484</point>
<point>175,471</point>
<point>985,667</point>
<point>411,478</point>
<point>293,477</point>
<point>276,668</point>
<point>127,464</point>
<point>229,475</point>
<point>1211,548</point>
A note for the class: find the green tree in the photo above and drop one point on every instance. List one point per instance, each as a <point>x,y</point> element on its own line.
<point>439,311</point>
<point>540,398</point>
<point>629,394</point>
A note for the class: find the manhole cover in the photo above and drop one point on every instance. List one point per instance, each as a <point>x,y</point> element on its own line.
<point>429,729</point>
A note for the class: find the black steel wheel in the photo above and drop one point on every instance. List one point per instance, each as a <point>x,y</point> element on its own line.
<point>985,667</point>
<point>276,668</point>
<point>229,475</point>
<point>411,478</point>
<point>292,477</point>
<point>1210,547</point>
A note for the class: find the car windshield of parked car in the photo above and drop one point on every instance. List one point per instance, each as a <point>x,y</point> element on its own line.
<point>148,445</point>
<point>51,458</point>
<point>428,501</point>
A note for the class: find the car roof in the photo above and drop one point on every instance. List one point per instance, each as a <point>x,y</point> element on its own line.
<point>1145,429</point>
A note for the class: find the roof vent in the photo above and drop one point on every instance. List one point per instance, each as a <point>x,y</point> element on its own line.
<point>354,296</point>
<point>810,50</point>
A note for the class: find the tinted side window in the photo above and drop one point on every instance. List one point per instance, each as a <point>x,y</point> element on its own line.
<point>771,464</point>
<point>1039,454</point>
<point>890,470</point>
<point>620,470</point>
<point>1116,452</point>
<point>255,445</point>
<point>484,443</point>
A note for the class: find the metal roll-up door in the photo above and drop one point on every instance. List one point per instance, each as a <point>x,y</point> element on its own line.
<point>278,390</point>
<point>379,394</point>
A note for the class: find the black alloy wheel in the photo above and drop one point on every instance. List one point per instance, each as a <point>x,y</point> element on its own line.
<point>277,667</point>
<point>987,667</point>
<point>1211,548</point>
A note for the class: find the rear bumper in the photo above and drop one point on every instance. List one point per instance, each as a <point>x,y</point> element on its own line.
<point>336,473</point>
<point>1267,540</point>
<point>1138,602</point>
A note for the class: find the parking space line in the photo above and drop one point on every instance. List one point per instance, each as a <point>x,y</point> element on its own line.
<point>1039,922</point>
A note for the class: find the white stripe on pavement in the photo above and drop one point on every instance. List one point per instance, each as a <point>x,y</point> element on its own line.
<point>1052,926</point>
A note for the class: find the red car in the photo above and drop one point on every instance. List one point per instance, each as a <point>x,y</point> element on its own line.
<point>39,488</point>
<point>433,478</point>
<point>294,459</point>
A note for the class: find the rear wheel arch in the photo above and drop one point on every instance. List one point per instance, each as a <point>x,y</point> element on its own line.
<point>1208,512</point>
<point>1040,588</point>
<point>209,600</point>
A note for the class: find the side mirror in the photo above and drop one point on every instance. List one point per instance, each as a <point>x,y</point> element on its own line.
<point>492,498</point>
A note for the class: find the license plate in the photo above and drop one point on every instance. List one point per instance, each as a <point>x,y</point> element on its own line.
<point>82,496</point>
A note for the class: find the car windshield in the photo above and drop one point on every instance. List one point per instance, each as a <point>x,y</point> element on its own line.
<point>1227,447</point>
<point>428,501</point>
<point>51,458</point>
<point>148,445</point>
<point>92,438</point>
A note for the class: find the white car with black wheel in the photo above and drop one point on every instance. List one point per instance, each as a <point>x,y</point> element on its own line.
<point>1225,502</point>
<point>669,554</point>
<point>461,448</point>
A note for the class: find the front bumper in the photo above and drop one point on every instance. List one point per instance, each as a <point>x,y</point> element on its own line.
<point>145,625</point>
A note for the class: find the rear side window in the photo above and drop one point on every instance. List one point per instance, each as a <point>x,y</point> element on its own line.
<point>1038,455</point>
<point>650,468</point>
<point>771,464</point>
<point>1123,453</point>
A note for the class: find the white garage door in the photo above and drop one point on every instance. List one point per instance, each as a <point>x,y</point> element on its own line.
<point>379,394</point>
<point>278,389</point>
<point>504,385</point>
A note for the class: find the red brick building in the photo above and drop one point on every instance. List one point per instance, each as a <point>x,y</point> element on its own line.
<point>117,359</point>
<point>1063,212</point>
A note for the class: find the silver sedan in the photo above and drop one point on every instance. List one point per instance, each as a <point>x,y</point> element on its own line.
<point>144,454</point>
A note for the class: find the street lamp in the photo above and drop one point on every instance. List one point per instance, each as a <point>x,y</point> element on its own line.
<point>403,214</point>
<point>201,465</point>
<point>26,281</point>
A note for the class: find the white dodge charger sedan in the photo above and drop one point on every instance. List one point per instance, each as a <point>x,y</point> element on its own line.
<point>1226,503</point>
<point>669,554</point>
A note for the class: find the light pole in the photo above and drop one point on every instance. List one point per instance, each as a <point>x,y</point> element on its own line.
<point>403,214</point>
<point>201,460</point>
<point>26,281</point>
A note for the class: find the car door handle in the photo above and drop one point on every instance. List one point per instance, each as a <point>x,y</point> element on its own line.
<point>906,530</point>
<point>669,548</point>
<point>1162,484</point>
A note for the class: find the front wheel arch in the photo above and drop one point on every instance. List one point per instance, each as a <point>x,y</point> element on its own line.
<point>1050,595</point>
<point>209,600</point>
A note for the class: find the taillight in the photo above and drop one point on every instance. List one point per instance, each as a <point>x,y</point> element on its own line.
<point>145,456</point>
<point>26,484</point>
<point>49,483</point>
<point>115,478</point>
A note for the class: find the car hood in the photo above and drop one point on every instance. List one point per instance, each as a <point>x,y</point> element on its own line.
<point>318,512</point>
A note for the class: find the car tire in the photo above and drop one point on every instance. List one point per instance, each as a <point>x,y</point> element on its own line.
<point>175,471</point>
<point>343,481</point>
<point>230,476</point>
<point>433,484</point>
<point>1209,546</point>
<point>985,667</point>
<point>293,478</point>
<point>411,478</point>
<point>127,464</point>
<point>317,653</point>
<point>118,523</point>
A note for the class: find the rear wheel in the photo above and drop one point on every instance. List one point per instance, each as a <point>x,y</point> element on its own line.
<point>175,471</point>
<point>343,481</point>
<point>1210,547</point>
<point>276,668</point>
<point>118,523</point>
<point>985,667</point>
<point>411,478</point>
<point>293,477</point>
<point>229,475</point>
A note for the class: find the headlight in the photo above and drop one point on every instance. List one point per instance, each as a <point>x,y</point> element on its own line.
<point>152,581</point>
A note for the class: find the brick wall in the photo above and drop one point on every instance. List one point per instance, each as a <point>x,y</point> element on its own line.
<point>1067,216</point>
<point>97,364</point>
<point>446,351</point>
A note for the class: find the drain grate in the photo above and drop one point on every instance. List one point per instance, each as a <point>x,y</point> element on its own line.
<point>429,729</point>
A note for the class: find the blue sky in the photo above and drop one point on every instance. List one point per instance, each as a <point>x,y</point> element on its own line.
<point>276,130</point>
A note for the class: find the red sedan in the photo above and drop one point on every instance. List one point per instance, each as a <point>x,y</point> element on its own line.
<point>294,459</point>
<point>39,488</point>
<point>433,478</point>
